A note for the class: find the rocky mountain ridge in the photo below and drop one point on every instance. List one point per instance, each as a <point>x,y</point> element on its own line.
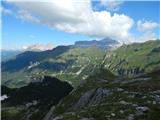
<point>104,44</point>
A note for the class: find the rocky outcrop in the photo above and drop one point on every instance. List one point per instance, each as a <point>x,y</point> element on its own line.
<point>130,71</point>
<point>84,100</point>
<point>99,95</point>
<point>92,97</point>
<point>156,49</point>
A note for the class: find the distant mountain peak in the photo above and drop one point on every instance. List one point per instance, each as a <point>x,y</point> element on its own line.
<point>105,43</point>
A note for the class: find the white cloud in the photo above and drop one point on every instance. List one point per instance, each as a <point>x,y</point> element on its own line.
<point>146,25</point>
<point>76,17</point>
<point>79,17</point>
<point>111,4</point>
<point>26,16</point>
<point>139,39</point>
<point>147,36</point>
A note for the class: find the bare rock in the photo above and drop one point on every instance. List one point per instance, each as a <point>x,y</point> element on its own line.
<point>99,96</point>
<point>92,97</point>
<point>84,99</point>
<point>142,110</point>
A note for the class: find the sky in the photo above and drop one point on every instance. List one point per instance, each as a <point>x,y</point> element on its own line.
<point>26,23</point>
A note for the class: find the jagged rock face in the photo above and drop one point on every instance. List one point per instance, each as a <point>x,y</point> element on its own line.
<point>32,102</point>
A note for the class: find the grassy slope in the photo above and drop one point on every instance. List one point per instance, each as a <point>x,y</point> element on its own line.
<point>133,59</point>
<point>85,61</point>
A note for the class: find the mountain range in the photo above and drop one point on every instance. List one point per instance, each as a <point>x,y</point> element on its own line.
<point>83,83</point>
<point>65,62</point>
<point>74,64</point>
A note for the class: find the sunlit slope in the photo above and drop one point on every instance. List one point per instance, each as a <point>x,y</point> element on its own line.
<point>67,63</point>
<point>137,58</point>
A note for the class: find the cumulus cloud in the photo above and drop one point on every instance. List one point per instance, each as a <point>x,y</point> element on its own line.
<point>111,4</point>
<point>76,17</point>
<point>79,17</point>
<point>146,25</point>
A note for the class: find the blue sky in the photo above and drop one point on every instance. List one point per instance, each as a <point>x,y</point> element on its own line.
<point>19,30</point>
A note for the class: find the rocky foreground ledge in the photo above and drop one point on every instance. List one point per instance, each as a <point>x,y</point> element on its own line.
<point>119,99</point>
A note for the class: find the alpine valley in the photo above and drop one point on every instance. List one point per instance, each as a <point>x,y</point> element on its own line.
<point>90,80</point>
<point>71,63</point>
